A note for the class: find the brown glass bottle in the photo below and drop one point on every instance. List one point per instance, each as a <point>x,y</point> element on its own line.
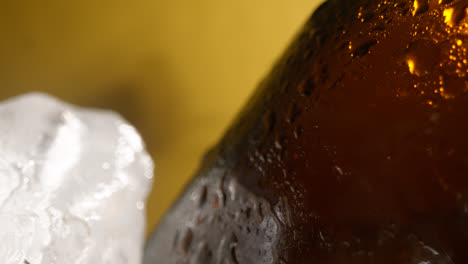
<point>353,150</point>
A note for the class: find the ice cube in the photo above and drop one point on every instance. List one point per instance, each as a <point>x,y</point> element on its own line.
<point>73,183</point>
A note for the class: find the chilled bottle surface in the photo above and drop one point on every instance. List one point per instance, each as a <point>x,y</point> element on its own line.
<point>353,150</point>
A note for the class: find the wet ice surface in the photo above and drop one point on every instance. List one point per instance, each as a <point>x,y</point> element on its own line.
<point>73,184</point>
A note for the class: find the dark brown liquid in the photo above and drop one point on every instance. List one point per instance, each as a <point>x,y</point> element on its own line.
<point>353,150</point>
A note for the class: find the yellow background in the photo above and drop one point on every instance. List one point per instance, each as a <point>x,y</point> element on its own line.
<point>179,70</point>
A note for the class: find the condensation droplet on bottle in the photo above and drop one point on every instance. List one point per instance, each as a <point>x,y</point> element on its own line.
<point>220,198</point>
<point>187,241</point>
<point>259,210</point>
<point>417,60</point>
<point>233,255</point>
<point>306,87</point>
<point>232,188</point>
<point>233,245</point>
<point>420,7</point>
<point>444,2</point>
<point>284,86</point>
<point>269,121</point>
<point>339,170</point>
<point>278,145</point>
<point>202,255</point>
<point>175,242</point>
<point>364,48</point>
<point>297,132</point>
<point>293,113</point>
<point>203,193</point>
<point>282,212</point>
<point>220,192</point>
<point>248,211</point>
<point>454,15</point>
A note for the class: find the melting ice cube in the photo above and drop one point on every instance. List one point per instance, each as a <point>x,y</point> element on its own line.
<point>73,183</point>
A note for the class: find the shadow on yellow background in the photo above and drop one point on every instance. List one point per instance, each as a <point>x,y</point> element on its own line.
<point>178,70</point>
